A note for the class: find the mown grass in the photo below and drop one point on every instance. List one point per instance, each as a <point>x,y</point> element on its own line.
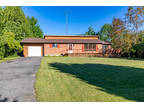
<point>90,79</point>
<point>9,58</point>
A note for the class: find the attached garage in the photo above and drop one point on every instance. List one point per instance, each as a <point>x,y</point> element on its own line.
<point>34,51</point>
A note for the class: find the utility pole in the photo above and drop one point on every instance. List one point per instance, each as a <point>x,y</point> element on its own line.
<point>66,29</point>
<point>66,14</point>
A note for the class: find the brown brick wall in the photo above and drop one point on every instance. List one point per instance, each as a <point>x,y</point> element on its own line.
<point>63,49</point>
<point>49,51</point>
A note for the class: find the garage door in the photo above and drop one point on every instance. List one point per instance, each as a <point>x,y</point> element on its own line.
<point>34,51</point>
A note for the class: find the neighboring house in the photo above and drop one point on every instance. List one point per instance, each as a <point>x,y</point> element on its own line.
<point>65,45</point>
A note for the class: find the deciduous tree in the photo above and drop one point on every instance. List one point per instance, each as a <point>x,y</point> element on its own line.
<point>2,47</point>
<point>105,32</point>
<point>134,21</point>
<point>12,46</point>
<point>14,26</point>
<point>117,33</point>
<point>16,22</point>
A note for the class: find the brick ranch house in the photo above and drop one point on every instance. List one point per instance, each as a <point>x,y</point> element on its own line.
<point>65,45</point>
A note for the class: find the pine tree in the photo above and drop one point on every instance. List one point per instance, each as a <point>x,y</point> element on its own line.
<point>90,31</point>
<point>35,28</point>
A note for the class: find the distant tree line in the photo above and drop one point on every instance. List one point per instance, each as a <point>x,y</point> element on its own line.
<point>15,26</point>
<point>126,35</point>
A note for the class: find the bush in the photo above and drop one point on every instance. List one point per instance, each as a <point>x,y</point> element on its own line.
<point>2,52</point>
<point>2,48</point>
<point>138,50</point>
<point>8,45</point>
<point>12,46</point>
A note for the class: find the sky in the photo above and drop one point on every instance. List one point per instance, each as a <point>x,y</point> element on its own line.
<point>52,19</point>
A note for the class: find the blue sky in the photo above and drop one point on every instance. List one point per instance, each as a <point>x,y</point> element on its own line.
<point>52,18</point>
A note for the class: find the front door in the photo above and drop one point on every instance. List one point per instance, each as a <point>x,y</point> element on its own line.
<point>70,48</point>
<point>104,49</point>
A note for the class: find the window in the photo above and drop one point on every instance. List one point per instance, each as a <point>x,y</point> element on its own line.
<point>90,47</point>
<point>105,46</point>
<point>54,45</point>
<point>70,46</point>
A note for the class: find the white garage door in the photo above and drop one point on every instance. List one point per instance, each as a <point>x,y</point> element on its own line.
<point>34,51</point>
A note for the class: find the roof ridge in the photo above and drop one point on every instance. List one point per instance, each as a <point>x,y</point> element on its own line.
<point>71,35</point>
<point>40,40</point>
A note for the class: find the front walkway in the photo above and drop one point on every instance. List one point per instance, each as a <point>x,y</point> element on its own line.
<point>17,79</point>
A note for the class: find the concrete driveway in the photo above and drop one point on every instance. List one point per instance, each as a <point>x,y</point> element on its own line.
<point>17,79</point>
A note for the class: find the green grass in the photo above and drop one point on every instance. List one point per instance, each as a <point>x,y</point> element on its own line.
<point>90,79</point>
<point>9,58</point>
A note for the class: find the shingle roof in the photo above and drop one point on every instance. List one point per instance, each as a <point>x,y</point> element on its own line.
<point>33,40</point>
<point>40,40</point>
<point>107,43</point>
<point>72,35</point>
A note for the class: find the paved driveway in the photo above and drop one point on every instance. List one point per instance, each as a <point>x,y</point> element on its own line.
<point>17,79</point>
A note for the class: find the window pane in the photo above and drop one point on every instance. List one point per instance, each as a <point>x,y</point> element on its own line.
<point>85,47</point>
<point>90,47</point>
<point>94,47</point>
<point>54,45</point>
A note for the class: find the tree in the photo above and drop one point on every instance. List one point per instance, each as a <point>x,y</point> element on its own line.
<point>16,22</point>
<point>105,32</point>
<point>90,31</point>
<point>35,28</point>
<point>126,43</point>
<point>138,48</point>
<point>2,47</point>
<point>141,36</point>
<point>1,19</point>
<point>120,36</point>
<point>14,27</point>
<point>134,21</point>
<point>12,46</point>
<point>118,29</point>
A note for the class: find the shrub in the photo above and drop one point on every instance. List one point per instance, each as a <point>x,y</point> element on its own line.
<point>2,48</point>
<point>8,45</point>
<point>138,50</point>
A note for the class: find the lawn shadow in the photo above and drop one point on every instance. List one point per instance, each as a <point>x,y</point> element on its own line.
<point>6,99</point>
<point>123,81</point>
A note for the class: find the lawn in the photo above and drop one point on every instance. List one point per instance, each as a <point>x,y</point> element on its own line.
<point>9,58</point>
<point>90,79</point>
